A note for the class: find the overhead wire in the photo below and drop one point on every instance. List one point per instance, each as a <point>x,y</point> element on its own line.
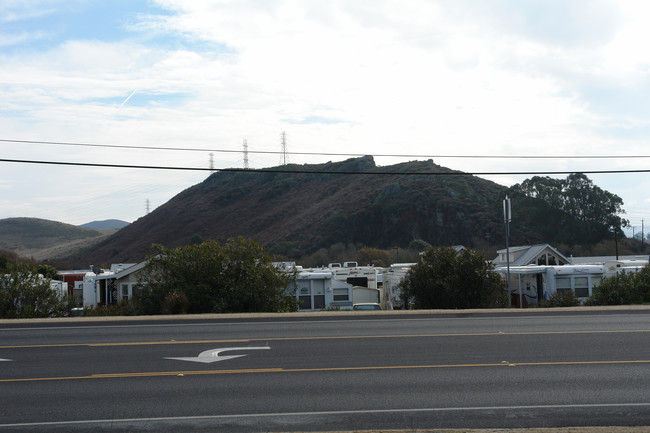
<point>297,170</point>
<point>271,152</point>
<point>303,171</point>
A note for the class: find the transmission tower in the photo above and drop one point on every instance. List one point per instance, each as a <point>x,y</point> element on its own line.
<point>211,162</point>
<point>285,157</point>
<point>147,206</point>
<point>245,154</point>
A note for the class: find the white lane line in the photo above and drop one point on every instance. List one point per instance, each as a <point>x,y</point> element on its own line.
<point>335,413</point>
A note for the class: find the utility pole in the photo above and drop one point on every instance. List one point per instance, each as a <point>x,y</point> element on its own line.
<point>507,217</point>
<point>245,154</point>
<point>285,158</point>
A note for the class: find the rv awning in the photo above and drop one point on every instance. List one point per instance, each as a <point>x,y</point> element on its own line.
<point>523,269</point>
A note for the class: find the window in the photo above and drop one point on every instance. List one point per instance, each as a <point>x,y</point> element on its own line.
<point>304,298</point>
<point>304,302</point>
<point>358,281</point>
<point>563,284</point>
<point>581,287</point>
<point>595,282</point>
<point>341,295</point>
<point>125,291</point>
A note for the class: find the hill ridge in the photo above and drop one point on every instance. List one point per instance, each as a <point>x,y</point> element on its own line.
<point>27,236</point>
<point>300,213</point>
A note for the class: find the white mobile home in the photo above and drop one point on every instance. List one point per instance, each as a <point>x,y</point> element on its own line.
<point>531,284</point>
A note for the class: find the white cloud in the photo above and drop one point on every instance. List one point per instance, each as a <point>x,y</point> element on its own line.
<point>417,77</point>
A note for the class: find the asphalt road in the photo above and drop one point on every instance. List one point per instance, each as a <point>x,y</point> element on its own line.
<point>328,373</point>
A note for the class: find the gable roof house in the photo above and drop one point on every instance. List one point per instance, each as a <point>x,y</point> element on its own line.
<point>540,254</point>
<point>531,268</point>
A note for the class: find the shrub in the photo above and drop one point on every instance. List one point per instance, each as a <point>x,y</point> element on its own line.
<point>564,298</point>
<point>623,289</point>
<point>175,303</point>
<point>125,307</point>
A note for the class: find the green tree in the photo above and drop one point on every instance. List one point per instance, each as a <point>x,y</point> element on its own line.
<point>47,271</point>
<point>448,279</point>
<point>373,256</point>
<point>26,294</point>
<point>238,276</point>
<point>573,209</point>
<point>419,245</point>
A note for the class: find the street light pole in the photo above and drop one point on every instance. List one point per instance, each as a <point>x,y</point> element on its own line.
<point>506,219</point>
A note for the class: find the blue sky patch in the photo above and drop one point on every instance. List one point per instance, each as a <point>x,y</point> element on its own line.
<point>49,25</point>
<point>143,99</point>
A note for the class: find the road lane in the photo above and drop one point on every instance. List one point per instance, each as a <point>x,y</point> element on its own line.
<point>565,388</point>
<point>331,352</point>
<point>427,372</point>
<point>338,325</point>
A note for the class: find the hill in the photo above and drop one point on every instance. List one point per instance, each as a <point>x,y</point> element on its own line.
<point>105,224</point>
<point>297,213</point>
<point>29,237</point>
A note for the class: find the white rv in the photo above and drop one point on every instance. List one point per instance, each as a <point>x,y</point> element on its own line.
<point>534,283</point>
<point>318,290</point>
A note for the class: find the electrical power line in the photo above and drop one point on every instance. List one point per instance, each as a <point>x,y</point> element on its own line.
<point>302,171</point>
<point>271,152</point>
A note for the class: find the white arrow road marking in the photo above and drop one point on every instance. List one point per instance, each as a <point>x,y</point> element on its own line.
<point>212,355</point>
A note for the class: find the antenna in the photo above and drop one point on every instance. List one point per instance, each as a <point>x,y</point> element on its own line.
<point>285,157</point>
<point>245,153</point>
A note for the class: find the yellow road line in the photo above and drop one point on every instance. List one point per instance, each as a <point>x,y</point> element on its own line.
<point>312,370</point>
<point>350,337</point>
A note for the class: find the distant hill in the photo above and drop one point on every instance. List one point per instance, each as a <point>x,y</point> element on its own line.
<point>314,206</point>
<point>298,213</point>
<point>105,224</point>
<point>28,236</point>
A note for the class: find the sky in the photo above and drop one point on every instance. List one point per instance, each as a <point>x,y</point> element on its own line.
<point>177,83</point>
